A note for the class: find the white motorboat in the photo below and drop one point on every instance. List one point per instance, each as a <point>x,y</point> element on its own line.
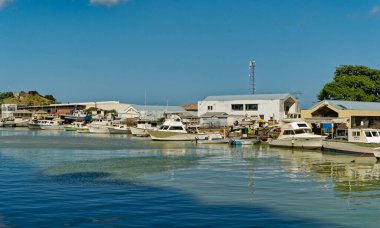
<point>239,142</point>
<point>360,142</point>
<point>34,125</point>
<point>120,129</point>
<point>142,128</point>
<point>55,124</point>
<point>100,126</point>
<point>15,122</point>
<point>9,122</point>
<point>297,135</point>
<point>75,126</point>
<point>21,122</point>
<point>214,138</point>
<point>174,130</point>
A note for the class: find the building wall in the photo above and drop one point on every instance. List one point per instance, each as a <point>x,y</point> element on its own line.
<point>268,108</point>
<point>213,121</point>
<point>7,110</point>
<point>130,113</point>
<point>354,116</point>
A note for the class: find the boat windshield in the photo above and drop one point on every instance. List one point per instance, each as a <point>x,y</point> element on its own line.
<point>302,131</point>
<point>164,127</point>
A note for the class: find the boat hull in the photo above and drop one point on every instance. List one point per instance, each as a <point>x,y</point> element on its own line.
<point>52,127</point>
<point>119,131</point>
<point>139,132</point>
<point>99,129</point>
<point>243,142</point>
<point>9,124</point>
<point>349,148</point>
<point>157,135</point>
<point>304,143</point>
<point>218,141</point>
<point>34,126</point>
<point>70,129</point>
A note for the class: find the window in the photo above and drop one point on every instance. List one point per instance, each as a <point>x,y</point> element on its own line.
<point>375,134</point>
<point>251,107</point>
<point>164,127</point>
<point>288,132</point>
<point>356,133</point>
<point>209,108</point>
<point>299,131</point>
<point>237,107</point>
<point>176,128</point>
<point>368,134</point>
<point>302,125</point>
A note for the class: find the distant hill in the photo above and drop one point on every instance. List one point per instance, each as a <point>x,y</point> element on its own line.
<point>32,98</point>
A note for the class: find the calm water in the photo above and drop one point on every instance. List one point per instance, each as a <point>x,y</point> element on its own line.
<point>51,178</point>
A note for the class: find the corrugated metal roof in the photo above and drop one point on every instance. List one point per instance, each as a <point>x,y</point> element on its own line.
<point>158,108</point>
<point>353,105</point>
<point>248,97</point>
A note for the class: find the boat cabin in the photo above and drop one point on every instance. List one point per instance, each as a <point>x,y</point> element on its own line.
<point>145,124</point>
<point>364,135</point>
<point>295,128</point>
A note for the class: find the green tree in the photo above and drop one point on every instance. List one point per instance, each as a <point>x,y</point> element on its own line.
<point>50,97</point>
<point>353,83</point>
<point>5,95</point>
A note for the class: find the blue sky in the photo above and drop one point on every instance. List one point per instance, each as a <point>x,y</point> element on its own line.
<point>180,51</point>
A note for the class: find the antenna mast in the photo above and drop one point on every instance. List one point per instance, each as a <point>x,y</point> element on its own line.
<point>252,66</point>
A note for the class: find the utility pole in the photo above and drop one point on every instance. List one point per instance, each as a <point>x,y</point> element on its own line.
<point>252,66</point>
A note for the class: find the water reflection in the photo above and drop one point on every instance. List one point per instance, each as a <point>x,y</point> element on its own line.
<point>349,174</point>
<point>129,169</point>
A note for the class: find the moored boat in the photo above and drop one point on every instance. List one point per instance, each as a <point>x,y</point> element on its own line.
<point>55,124</point>
<point>75,126</point>
<point>239,142</point>
<point>120,129</point>
<point>100,126</point>
<point>297,135</point>
<point>174,130</point>
<point>214,138</point>
<point>360,142</point>
<point>142,128</point>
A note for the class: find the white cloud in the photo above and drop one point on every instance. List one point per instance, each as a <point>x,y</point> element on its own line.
<point>375,10</point>
<point>4,3</point>
<point>106,2</point>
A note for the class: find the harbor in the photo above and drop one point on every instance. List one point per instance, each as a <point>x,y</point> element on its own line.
<point>97,179</point>
<point>146,113</point>
<point>272,119</point>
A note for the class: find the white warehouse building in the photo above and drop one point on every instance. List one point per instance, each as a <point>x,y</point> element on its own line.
<point>263,106</point>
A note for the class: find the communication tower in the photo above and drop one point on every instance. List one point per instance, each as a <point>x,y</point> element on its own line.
<point>252,87</point>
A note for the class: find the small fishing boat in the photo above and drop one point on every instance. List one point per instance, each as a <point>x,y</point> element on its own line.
<point>142,128</point>
<point>55,124</point>
<point>297,135</point>
<point>9,122</point>
<point>120,129</point>
<point>239,142</point>
<point>100,126</point>
<point>174,130</point>
<point>214,138</point>
<point>360,142</point>
<point>77,116</point>
<point>33,124</point>
<point>75,126</point>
